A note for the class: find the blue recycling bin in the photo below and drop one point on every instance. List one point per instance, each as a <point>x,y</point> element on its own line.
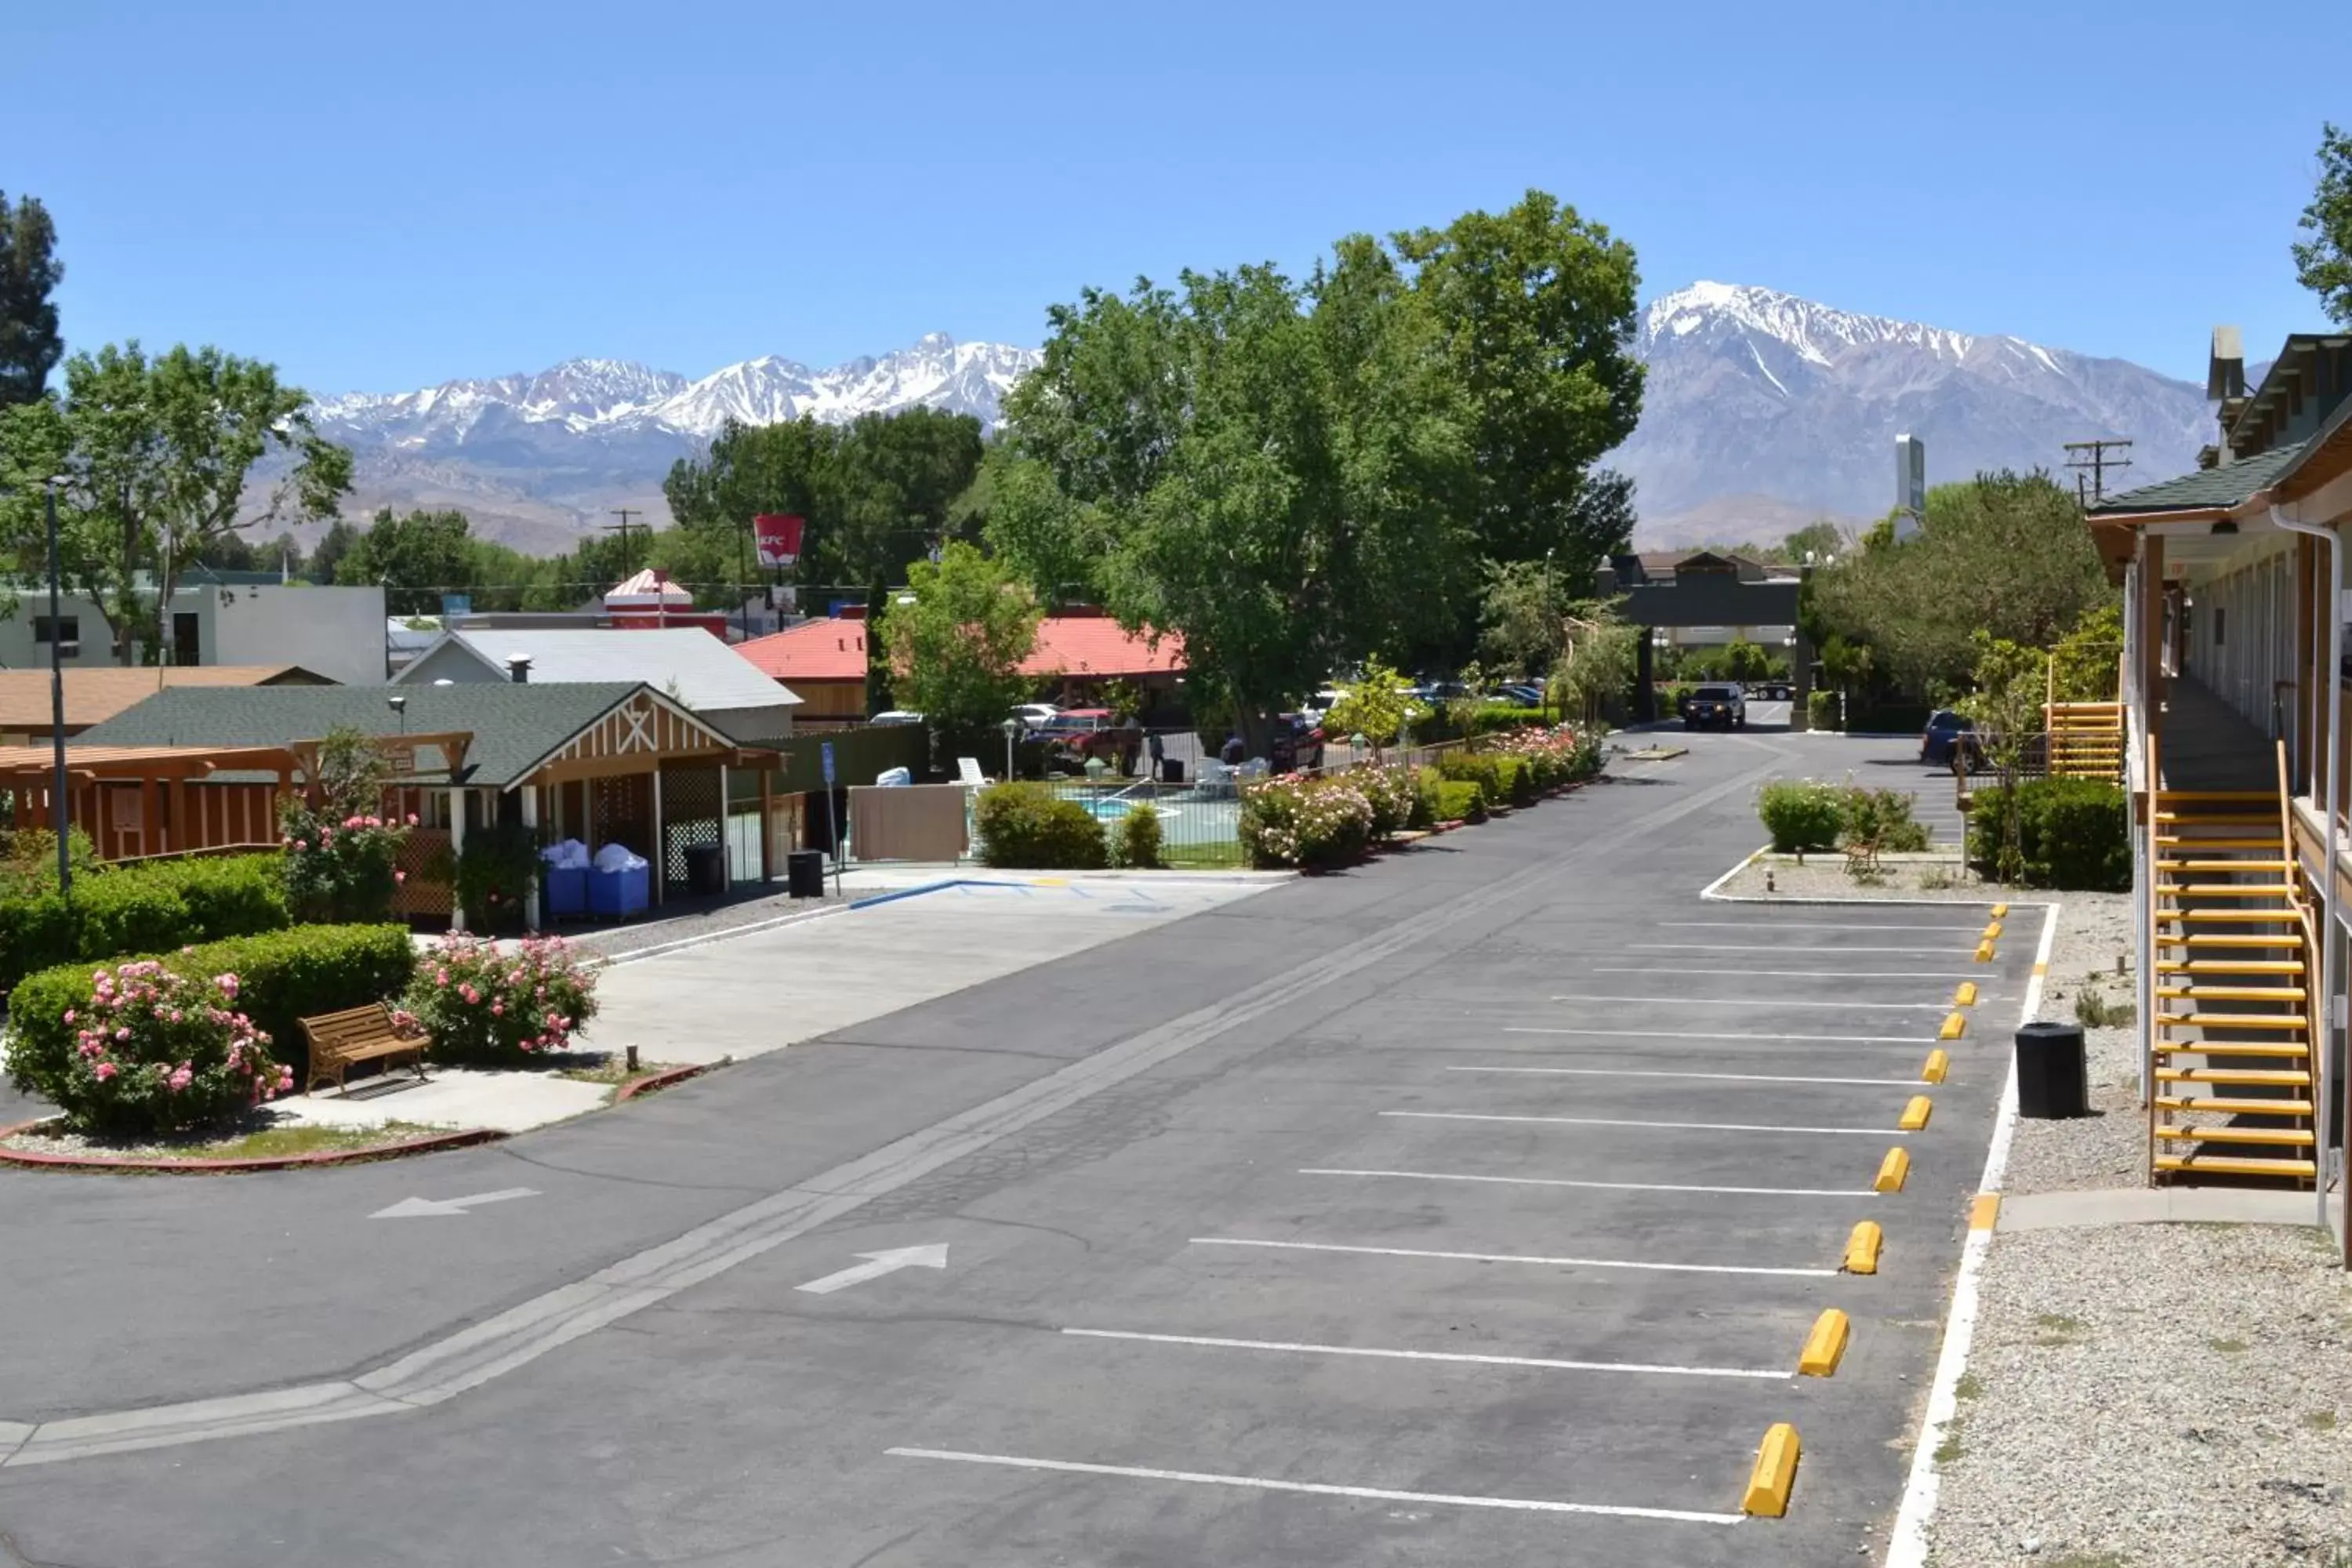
<point>617,895</point>
<point>567,892</point>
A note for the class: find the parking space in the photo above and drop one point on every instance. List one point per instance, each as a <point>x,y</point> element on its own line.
<point>1475,1269</point>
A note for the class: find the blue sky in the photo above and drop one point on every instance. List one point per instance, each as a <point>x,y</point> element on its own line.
<point>381,197</point>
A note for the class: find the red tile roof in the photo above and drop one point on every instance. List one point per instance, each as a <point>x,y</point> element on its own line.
<point>1082,647</point>
<point>816,650</point>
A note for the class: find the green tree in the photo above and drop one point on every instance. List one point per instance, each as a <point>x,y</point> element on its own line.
<point>417,558</point>
<point>157,455</point>
<point>2010,682</point>
<point>30,345</point>
<point>2002,553</point>
<point>956,639</point>
<point>1603,658</point>
<point>1377,705</point>
<point>1524,609</point>
<point>1536,307</point>
<point>1816,540</point>
<point>2323,263</point>
<point>333,545</point>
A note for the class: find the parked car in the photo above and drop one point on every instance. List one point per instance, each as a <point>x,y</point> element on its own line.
<point>1305,737</point>
<point>1715,706</point>
<point>1075,735</point>
<point>1521,694</point>
<point>1032,714</point>
<point>1948,732</point>
<point>1771,691</point>
<point>897,716</point>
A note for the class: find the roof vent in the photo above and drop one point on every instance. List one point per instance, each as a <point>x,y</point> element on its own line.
<point>518,668</point>
<point>2225,370</point>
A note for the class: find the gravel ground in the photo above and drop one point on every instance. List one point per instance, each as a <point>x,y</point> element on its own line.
<point>1824,876</point>
<point>2174,1395</point>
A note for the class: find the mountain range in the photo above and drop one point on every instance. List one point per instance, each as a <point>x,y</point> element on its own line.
<point>1762,411</point>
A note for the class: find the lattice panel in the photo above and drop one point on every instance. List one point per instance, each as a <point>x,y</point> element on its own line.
<point>621,807</point>
<point>690,815</point>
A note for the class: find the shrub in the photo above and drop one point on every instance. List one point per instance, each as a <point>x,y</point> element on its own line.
<point>1391,793</point>
<point>1427,786</point>
<point>130,909</point>
<point>1883,816</point>
<point>340,856</point>
<point>1801,814</point>
<point>2072,834</point>
<point>1821,712</point>
<point>1139,839</point>
<point>496,868</point>
<point>159,1048</point>
<point>283,977</point>
<point>1028,826</point>
<point>1461,800</point>
<point>483,1006</point>
<point>1300,821</point>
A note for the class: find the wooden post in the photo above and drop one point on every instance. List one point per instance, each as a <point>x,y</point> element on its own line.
<point>2151,588</point>
<point>767,849</point>
<point>457,848</point>
<point>658,871</point>
<point>726,830</point>
<point>531,889</point>
<point>150,810</point>
<point>176,799</point>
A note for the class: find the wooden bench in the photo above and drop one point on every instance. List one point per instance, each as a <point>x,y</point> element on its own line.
<point>356,1035</point>
<point>1861,857</point>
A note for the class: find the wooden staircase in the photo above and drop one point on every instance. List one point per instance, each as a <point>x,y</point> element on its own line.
<point>2086,739</point>
<point>2231,1040</point>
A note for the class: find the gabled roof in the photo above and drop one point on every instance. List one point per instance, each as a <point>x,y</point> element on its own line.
<point>833,649</point>
<point>95,694</point>
<point>2206,489</point>
<point>1097,648</point>
<point>514,727</point>
<point>684,662</point>
<point>650,586</point>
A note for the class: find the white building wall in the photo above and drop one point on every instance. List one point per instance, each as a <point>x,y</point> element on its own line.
<point>335,632</point>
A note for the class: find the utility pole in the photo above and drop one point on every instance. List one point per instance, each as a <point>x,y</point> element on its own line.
<point>2090,459</point>
<point>61,809</point>
<point>622,528</point>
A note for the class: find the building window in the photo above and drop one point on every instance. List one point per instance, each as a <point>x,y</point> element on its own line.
<point>183,637</point>
<point>66,630</point>
<point>2218,615</point>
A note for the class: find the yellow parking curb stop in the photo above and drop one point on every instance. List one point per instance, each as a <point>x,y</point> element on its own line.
<point>1992,931</point>
<point>1966,995</point>
<point>1775,1472</point>
<point>1862,1247</point>
<point>1893,1171</point>
<point>1826,1346</point>
<point>1999,911</point>
<point>1955,1024</point>
<point>1939,1062</point>
<point>1984,951</point>
<point>1915,1114</point>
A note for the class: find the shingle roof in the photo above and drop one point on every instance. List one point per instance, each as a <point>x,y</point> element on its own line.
<point>1091,647</point>
<point>687,662</point>
<point>94,695</point>
<point>2206,489</point>
<point>513,726</point>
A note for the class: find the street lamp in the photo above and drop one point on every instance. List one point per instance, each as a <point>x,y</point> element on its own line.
<point>1012,732</point>
<point>399,705</point>
<point>60,818</point>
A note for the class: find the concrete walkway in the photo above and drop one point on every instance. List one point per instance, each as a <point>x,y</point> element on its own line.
<point>509,1100</point>
<point>2153,1206</point>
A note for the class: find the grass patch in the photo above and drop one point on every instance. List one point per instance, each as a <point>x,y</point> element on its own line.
<point>2228,1347</point>
<point>2057,1330</point>
<point>1939,882</point>
<point>280,1142</point>
<point>1970,1386</point>
<point>2086,1560</point>
<point>1203,856</point>
<point>614,1070</point>
<point>2320,1421</point>
<point>1950,1449</point>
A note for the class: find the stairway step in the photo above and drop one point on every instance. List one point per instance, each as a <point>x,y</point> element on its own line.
<point>2282,1022</point>
<point>2234,1165</point>
<point>2271,843</point>
<point>2267,1077</point>
<point>2168,863</point>
<point>2229,917</point>
<point>2167,796</point>
<point>2226,891</point>
<point>2291,1136</point>
<point>2194,967</point>
<point>2284,1050</point>
<point>2236,1107</point>
<point>2233,993</point>
<point>2220,818</point>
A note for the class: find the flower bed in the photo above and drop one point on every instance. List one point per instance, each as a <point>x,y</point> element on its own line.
<point>1299,820</point>
<point>158,1052</point>
<point>485,1007</point>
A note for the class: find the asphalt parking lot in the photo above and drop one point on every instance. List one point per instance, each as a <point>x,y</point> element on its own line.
<point>1477,1213</point>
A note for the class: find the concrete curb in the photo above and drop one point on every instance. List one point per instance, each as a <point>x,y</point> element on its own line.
<point>1714,894</point>
<point>662,1081</point>
<point>433,1144</point>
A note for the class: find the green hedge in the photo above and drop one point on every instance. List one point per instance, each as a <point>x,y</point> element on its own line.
<point>148,908</point>
<point>2072,834</point>
<point>284,977</point>
<point>1461,800</point>
<point>1507,780</point>
<point>1801,813</point>
<point>1028,826</point>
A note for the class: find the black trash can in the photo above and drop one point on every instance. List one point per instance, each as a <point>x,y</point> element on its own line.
<point>2053,1073</point>
<point>805,874</point>
<point>1171,770</point>
<point>705,868</point>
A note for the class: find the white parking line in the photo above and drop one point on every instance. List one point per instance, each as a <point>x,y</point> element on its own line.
<point>1713,1077</point>
<point>1782,947</point>
<point>1607,1187</point>
<point>1719,1035</point>
<point>1776,1373</point>
<point>1260,1483</point>
<point>1516,1257</point>
<point>1793,973</point>
<point>1670,1126</point>
<point>1751,1002</point>
<point>1805,925</point>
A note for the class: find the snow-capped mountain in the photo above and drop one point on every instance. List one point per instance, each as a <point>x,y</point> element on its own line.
<point>1762,411</point>
<point>1760,401</point>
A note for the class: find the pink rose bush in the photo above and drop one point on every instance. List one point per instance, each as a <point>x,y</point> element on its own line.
<point>1553,756</point>
<point>341,868</point>
<point>1296,819</point>
<point>484,1007</point>
<point>157,1051</point>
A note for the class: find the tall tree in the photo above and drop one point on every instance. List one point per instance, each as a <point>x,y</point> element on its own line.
<point>30,272</point>
<point>157,455</point>
<point>1537,306</point>
<point>955,650</point>
<point>417,558</point>
<point>333,545</point>
<point>2323,263</point>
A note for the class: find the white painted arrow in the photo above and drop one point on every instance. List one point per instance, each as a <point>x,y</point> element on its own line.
<point>878,1264</point>
<point>419,1208</point>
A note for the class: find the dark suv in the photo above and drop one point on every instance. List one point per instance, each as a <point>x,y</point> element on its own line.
<point>1715,707</point>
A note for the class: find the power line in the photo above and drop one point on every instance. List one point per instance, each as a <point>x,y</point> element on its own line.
<point>2090,457</point>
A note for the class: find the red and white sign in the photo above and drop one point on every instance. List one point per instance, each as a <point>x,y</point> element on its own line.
<point>778,538</point>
